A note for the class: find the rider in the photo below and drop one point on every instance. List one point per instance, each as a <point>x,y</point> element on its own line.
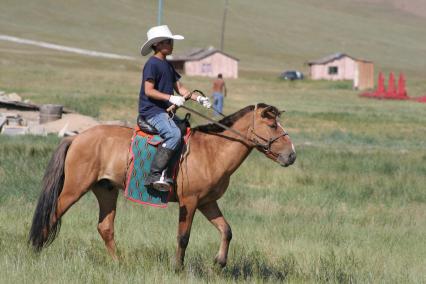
<point>159,79</point>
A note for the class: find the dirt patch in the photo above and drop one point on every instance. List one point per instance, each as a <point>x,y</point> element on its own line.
<point>71,122</point>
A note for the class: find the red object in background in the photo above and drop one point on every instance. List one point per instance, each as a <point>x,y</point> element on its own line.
<point>380,85</point>
<point>402,92</point>
<point>420,99</point>
<point>380,92</point>
<point>391,91</point>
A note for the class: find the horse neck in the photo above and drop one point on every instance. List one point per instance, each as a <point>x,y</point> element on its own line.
<point>224,151</point>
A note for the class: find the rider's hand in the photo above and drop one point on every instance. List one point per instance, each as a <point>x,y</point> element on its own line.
<point>204,101</point>
<point>177,100</point>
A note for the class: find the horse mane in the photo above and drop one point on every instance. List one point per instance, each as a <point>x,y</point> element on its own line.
<point>228,120</point>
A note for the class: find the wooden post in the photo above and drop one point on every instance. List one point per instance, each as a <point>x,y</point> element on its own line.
<point>222,37</point>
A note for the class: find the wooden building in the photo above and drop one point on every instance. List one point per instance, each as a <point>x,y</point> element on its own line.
<point>340,66</point>
<point>205,62</point>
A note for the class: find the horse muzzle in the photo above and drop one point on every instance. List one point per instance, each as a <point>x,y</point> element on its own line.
<point>286,160</point>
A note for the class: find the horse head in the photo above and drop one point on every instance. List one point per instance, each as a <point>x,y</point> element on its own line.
<point>270,137</point>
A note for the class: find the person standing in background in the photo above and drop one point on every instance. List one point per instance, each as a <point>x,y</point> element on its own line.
<point>219,92</point>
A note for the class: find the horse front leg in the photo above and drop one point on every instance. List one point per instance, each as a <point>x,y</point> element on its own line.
<point>186,215</point>
<point>212,212</point>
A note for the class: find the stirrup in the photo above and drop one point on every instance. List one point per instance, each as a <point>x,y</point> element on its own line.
<point>161,186</point>
<point>164,183</point>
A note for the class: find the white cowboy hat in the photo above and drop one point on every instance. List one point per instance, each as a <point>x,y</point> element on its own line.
<point>157,34</point>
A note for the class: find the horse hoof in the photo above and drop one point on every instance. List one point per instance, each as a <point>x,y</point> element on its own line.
<point>220,261</point>
<point>178,268</point>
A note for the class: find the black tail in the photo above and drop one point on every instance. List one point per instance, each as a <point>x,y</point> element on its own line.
<point>43,232</point>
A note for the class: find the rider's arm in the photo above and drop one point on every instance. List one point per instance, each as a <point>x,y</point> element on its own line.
<point>151,92</point>
<point>184,92</point>
<point>180,89</point>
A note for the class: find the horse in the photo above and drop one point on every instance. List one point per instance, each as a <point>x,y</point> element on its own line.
<point>98,158</point>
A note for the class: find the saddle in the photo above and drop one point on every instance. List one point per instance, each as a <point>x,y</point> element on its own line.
<point>143,147</point>
<point>147,128</point>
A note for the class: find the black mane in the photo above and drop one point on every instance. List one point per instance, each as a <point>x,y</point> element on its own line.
<point>228,120</point>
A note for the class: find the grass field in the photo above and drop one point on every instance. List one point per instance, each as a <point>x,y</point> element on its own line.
<point>352,209</point>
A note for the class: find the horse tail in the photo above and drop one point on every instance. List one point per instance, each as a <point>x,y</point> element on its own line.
<point>44,229</point>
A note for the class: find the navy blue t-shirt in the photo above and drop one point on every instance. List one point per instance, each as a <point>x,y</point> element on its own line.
<point>164,76</point>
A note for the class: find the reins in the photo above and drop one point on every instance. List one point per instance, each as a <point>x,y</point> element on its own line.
<point>202,94</point>
<point>263,147</point>
<point>215,122</point>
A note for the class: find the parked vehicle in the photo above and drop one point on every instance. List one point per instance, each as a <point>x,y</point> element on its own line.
<point>292,75</point>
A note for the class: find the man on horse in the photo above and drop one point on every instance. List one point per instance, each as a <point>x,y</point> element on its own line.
<point>159,81</point>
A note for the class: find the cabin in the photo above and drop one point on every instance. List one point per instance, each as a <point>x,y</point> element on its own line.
<point>205,62</point>
<point>340,66</point>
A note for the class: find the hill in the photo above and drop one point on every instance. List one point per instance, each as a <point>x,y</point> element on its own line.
<point>415,7</point>
<point>265,36</point>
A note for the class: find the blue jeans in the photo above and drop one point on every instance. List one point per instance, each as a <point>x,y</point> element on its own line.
<point>167,128</point>
<point>217,102</point>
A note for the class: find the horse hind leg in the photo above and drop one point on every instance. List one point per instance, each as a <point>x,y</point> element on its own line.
<point>107,194</point>
<point>70,194</point>
<point>212,212</point>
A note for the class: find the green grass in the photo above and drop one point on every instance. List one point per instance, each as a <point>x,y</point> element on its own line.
<point>352,207</point>
<point>350,210</point>
<point>337,215</point>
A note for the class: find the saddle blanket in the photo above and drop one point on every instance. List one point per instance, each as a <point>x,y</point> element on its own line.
<point>143,148</point>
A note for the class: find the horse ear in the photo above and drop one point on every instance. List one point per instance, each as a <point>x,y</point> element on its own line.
<point>268,112</point>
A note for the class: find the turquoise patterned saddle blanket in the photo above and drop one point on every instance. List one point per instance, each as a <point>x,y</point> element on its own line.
<point>142,150</point>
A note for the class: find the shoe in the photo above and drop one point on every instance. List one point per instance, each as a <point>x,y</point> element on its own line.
<point>157,176</point>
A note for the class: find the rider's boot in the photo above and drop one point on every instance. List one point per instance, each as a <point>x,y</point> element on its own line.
<point>157,177</point>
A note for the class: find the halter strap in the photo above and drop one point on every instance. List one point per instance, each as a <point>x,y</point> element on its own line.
<point>263,147</point>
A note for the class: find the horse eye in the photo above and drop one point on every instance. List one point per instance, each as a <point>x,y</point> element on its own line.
<point>273,126</point>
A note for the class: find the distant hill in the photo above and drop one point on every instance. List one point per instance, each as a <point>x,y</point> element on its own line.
<point>415,7</point>
<point>267,35</point>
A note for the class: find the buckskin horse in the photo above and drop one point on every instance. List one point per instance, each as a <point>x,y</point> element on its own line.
<point>97,160</point>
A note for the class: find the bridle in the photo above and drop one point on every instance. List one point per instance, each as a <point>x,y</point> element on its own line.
<point>267,145</point>
<point>264,147</point>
